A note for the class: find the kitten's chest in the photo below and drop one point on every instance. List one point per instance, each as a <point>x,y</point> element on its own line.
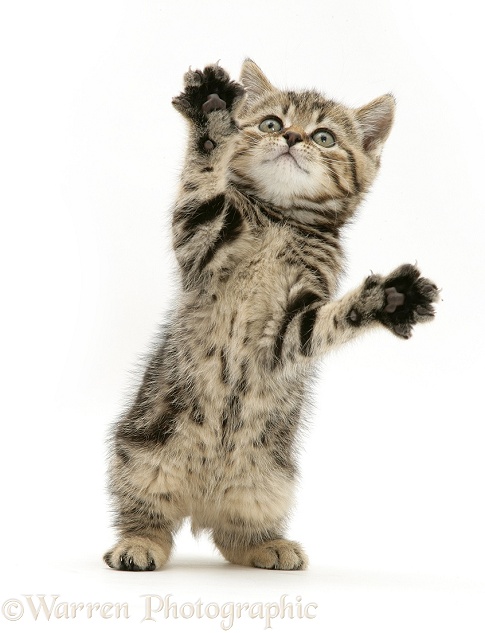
<point>259,263</point>
<point>228,334</point>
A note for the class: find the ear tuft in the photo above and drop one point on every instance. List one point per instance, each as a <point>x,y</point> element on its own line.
<point>254,80</point>
<point>376,120</point>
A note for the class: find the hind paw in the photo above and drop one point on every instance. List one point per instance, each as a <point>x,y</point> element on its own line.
<point>136,554</point>
<point>279,554</point>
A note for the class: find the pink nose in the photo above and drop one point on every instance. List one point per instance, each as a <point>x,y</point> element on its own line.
<point>292,138</point>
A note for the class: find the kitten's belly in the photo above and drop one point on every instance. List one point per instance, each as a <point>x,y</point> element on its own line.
<point>214,483</point>
<point>235,483</point>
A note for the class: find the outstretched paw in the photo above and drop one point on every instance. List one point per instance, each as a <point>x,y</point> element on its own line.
<point>409,300</point>
<point>206,91</point>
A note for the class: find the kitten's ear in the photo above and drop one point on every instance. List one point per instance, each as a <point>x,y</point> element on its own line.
<point>254,80</point>
<point>376,120</point>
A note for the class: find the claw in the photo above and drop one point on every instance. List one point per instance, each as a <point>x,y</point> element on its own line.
<point>424,311</point>
<point>181,102</point>
<point>402,330</point>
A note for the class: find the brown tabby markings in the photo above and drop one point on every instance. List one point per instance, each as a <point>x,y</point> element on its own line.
<point>212,432</point>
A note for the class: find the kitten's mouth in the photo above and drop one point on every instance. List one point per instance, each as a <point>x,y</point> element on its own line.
<point>287,155</point>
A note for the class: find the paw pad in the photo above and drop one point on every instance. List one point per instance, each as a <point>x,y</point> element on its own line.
<point>354,316</point>
<point>214,102</point>
<point>394,299</point>
<point>408,299</point>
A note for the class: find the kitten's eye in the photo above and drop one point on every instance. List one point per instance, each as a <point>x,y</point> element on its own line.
<point>324,138</point>
<point>270,125</point>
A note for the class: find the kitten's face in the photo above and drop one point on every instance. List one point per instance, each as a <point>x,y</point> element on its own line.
<point>299,150</point>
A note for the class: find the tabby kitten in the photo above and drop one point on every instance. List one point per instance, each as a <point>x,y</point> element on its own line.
<point>270,179</point>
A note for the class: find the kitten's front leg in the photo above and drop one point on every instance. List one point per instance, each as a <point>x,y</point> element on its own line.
<point>399,302</point>
<point>208,102</point>
<point>204,220</point>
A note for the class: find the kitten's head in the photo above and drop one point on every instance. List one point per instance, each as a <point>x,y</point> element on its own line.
<point>299,150</point>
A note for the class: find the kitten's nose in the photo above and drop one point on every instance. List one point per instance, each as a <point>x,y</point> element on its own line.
<point>292,138</point>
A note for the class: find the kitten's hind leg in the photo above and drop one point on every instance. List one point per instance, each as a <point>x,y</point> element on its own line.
<point>272,553</point>
<point>147,515</point>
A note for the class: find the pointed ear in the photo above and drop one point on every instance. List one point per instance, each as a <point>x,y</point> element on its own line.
<point>375,120</point>
<point>254,80</point>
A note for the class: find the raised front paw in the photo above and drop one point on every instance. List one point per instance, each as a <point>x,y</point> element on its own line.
<point>408,299</point>
<point>206,91</point>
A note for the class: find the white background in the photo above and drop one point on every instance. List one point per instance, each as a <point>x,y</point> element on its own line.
<point>391,509</point>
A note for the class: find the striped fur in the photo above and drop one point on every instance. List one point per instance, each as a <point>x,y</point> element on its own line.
<point>212,432</point>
